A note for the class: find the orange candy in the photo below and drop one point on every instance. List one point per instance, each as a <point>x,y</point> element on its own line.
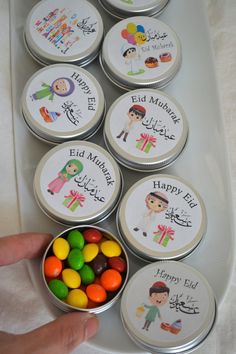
<point>96,293</point>
<point>111,280</point>
<point>52,267</point>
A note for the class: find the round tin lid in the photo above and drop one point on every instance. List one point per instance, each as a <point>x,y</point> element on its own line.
<point>63,102</point>
<point>168,307</point>
<point>65,31</point>
<point>147,53</point>
<point>168,223</point>
<point>128,8</point>
<point>77,182</point>
<point>145,129</point>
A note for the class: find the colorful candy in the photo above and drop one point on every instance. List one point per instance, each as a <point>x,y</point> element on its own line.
<point>52,267</point>
<point>85,267</point>
<point>77,298</point>
<point>61,248</point>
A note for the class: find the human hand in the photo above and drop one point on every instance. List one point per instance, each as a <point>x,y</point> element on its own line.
<point>57,337</point>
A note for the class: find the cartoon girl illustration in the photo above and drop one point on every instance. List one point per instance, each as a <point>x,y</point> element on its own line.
<point>62,87</point>
<point>71,169</point>
<point>158,297</point>
<point>156,202</point>
<point>135,115</point>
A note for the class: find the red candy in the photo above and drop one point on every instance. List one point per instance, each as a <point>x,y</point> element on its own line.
<point>52,267</point>
<point>117,263</point>
<point>96,293</point>
<point>92,235</point>
<point>111,280</point>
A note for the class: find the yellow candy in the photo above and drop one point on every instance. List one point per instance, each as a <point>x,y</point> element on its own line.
<point>61,248</point>
<point>71,278</point>
<point>77,298</point>
<point>111,248</point>
<point>90,251</point>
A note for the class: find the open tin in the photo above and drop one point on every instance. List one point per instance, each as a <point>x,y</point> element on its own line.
<point>77,182</point>
<point>63,102</point>
<point>71,291</point>
<point>161,217</point>
<point>145,130</point>
<point>168,307</point>
<point>147,53</point>
<point>127,8</point>
<point>66,31</point>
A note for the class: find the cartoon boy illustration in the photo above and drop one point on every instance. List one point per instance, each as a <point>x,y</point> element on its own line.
<point>72,168</point>
<point>156,202</point>
<point>132,58</point>
<point>135,115</point>
<point>158,297</point>
<point>62,87</point>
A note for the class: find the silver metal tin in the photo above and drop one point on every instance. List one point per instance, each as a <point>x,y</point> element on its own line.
<point>67,31</point>
<point>161,217</point>
<point>77,182</point>
<point>145,130</point>
<point>63,102</point>
<point>62,304</point>
<point>147,53</point>
<point>127,8</point>
<point>168,307</point>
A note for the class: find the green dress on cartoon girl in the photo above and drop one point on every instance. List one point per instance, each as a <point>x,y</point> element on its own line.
<point>72,168</point>
<point>62,87</point>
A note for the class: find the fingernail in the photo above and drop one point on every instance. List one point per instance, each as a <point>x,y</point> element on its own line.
<point>91,326</point>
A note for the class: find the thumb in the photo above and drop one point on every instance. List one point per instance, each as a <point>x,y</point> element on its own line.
<point>62,335</point>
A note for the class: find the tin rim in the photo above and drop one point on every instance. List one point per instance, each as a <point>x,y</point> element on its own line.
<point>146,253</point>
<point>96,217</point>
<point>138,163</point>
<point>191,342</point>
<point>66,307</point>
<point>121,13</point>
<point>45,58</point>
<point>121,79</point>
<point>56,137</point>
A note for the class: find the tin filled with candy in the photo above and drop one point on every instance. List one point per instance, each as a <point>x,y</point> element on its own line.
<point>66,32</point>
<point>147,53</point>
<point>161,217</point>
<point>168,307</point>
<point>85,268</point>
<point>63,102</point>
<point>127,8</point>
<point>145,130</point>
<point>77,182</point>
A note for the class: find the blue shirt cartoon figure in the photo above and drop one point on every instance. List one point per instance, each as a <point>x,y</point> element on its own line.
<point>135,115</point>
<point>62,87</point>
<point>72,168</point>
<point>158,297</point>
<point>132,58</point>
<point>156,202</point>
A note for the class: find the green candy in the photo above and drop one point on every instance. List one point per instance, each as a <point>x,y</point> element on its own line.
<point>75,239</point>
<point>75,259</point>
<point>87,275</point>
<point>58,288</point>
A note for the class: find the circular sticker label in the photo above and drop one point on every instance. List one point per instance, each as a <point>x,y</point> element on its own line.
<point>145,48</point>
<point>63,99</point>
<point>64,28</point>
<point>168,304</point>
<point>146,124</point>
<point>168,219</point>
<point>77,181</point>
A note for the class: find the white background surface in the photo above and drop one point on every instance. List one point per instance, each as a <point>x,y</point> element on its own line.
<point>16,290</point>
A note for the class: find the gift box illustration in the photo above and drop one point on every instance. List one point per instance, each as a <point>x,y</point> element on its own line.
<point>73,200</point>
<point>145,142</point>
<point>163,235</point>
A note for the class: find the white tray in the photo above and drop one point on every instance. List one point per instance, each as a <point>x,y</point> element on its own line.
<point>204,163</point>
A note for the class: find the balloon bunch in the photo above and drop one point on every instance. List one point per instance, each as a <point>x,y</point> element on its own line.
<point>134,34</point>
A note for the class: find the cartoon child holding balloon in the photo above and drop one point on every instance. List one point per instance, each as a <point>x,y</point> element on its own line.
<point>135,37</point>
